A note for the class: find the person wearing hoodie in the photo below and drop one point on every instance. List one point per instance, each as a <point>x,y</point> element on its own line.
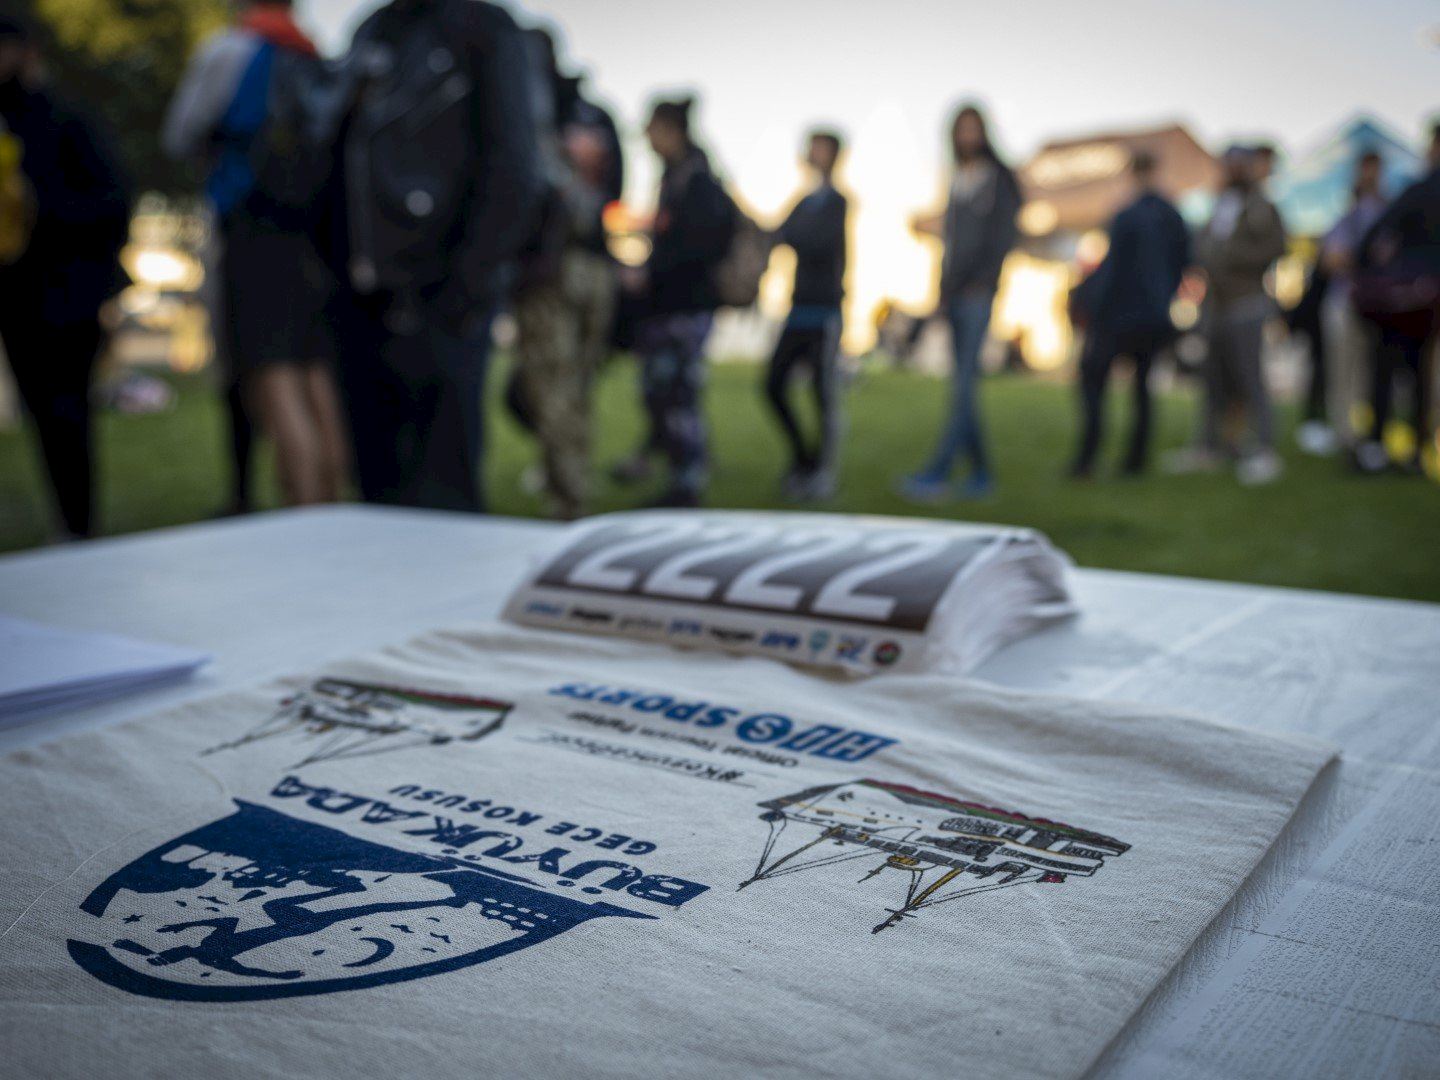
<point>274,287</point>
<point>978,230</point>
<point>52,289</point>
<point>693,226</point>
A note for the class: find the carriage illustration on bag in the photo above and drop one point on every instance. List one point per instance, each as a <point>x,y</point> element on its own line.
<point>341,718</point>
<point>936,848</point>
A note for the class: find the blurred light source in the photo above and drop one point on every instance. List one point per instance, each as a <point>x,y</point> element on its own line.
<point>1039,217</point>
<point>165,269</point>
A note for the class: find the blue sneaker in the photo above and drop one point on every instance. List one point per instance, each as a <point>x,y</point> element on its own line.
<point>979,486</point>
<point>923,488</point>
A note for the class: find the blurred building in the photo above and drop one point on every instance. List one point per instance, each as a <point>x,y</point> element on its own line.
<point>1073,187</point>
<point>1313,189</point>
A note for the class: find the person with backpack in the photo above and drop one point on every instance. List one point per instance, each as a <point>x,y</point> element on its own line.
<point>565,298</point>
<point>64,216</point>
<point>978,230</point>
<point>436,188</point>
<point>810,339</point>
<point>274,286</point>
<point>695,224</point>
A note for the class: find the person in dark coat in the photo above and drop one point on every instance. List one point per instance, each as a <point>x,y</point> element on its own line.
<point>978,230</point>
<point>1125,305</point>
<point>50,297</point>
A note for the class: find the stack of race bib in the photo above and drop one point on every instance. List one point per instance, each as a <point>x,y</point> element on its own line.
<point>861,594</point>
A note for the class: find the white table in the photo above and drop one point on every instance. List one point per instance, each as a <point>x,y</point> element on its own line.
<point>1327,962</point>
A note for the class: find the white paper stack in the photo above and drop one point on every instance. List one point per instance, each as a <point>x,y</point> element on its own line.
<point>860,594</point>
<point>1013,587</point>
<point>44,667</point>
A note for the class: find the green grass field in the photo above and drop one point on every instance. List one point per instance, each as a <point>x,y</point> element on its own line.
<point>1319,527</point>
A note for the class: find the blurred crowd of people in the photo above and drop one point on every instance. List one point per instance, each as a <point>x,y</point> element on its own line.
<point>378,212</point>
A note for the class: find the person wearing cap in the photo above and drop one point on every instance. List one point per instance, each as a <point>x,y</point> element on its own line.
<point>52,291</point>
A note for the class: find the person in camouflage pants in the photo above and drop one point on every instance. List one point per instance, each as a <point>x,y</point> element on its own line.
<point>563,327</point>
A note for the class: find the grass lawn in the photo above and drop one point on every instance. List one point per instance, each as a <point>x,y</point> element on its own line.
<point>1319,527</point>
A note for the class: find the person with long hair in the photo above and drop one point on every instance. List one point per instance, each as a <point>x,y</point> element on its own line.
<point>694,224</point>
<point>274,286</point>
<point>978,230</point>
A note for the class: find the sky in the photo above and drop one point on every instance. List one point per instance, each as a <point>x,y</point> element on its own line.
<point>889,72</point>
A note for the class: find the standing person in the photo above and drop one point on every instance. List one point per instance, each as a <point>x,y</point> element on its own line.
<point>274,287</point>
<point>1126,302</point>
<point>694,224</point>
<point>565,301</point>
<point>978,230</point>
<point>1242,240</point>
<point>428,218</point>
<point>1342,354</point>
<point>1398,288</point>
<point>52,290</point>
<point>815,230</point>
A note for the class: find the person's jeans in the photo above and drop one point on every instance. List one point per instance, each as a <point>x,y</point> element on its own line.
<point>672,348</point>
<point>414,391</point>
<point>962,437</point>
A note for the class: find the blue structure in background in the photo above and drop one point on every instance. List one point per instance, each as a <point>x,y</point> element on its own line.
<point>1313,189</point>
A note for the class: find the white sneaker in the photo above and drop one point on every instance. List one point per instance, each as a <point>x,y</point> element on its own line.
<point>532,479</point>
<point>1317,438</point>
<point>1371,457</point>
<point>1261,467</point>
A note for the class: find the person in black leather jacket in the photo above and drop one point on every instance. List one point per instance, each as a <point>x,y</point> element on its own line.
<point>436,187</point>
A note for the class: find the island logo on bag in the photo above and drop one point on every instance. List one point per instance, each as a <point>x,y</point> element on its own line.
<point>341,718</point>
<point>926,849</point>
<point>340,891</point>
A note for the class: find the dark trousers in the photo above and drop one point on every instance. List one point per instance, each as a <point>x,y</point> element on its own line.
<point>672,348</point>
<point>1399,351</point>
<point>52,367</point>
<point>414,393</point>
<point>813,350</point>
<point>1101,349</point>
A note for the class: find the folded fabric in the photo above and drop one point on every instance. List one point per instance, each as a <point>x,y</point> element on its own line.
<point>498,852</point>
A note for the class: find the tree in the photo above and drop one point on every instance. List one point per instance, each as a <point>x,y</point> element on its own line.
<point>120,60</point>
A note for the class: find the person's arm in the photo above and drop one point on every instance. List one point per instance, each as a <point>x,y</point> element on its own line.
<point>508,177</point>
<point>205,92</point>
<point>816,230</point>
<point>1378,246</point>
<point>1001,229</point>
